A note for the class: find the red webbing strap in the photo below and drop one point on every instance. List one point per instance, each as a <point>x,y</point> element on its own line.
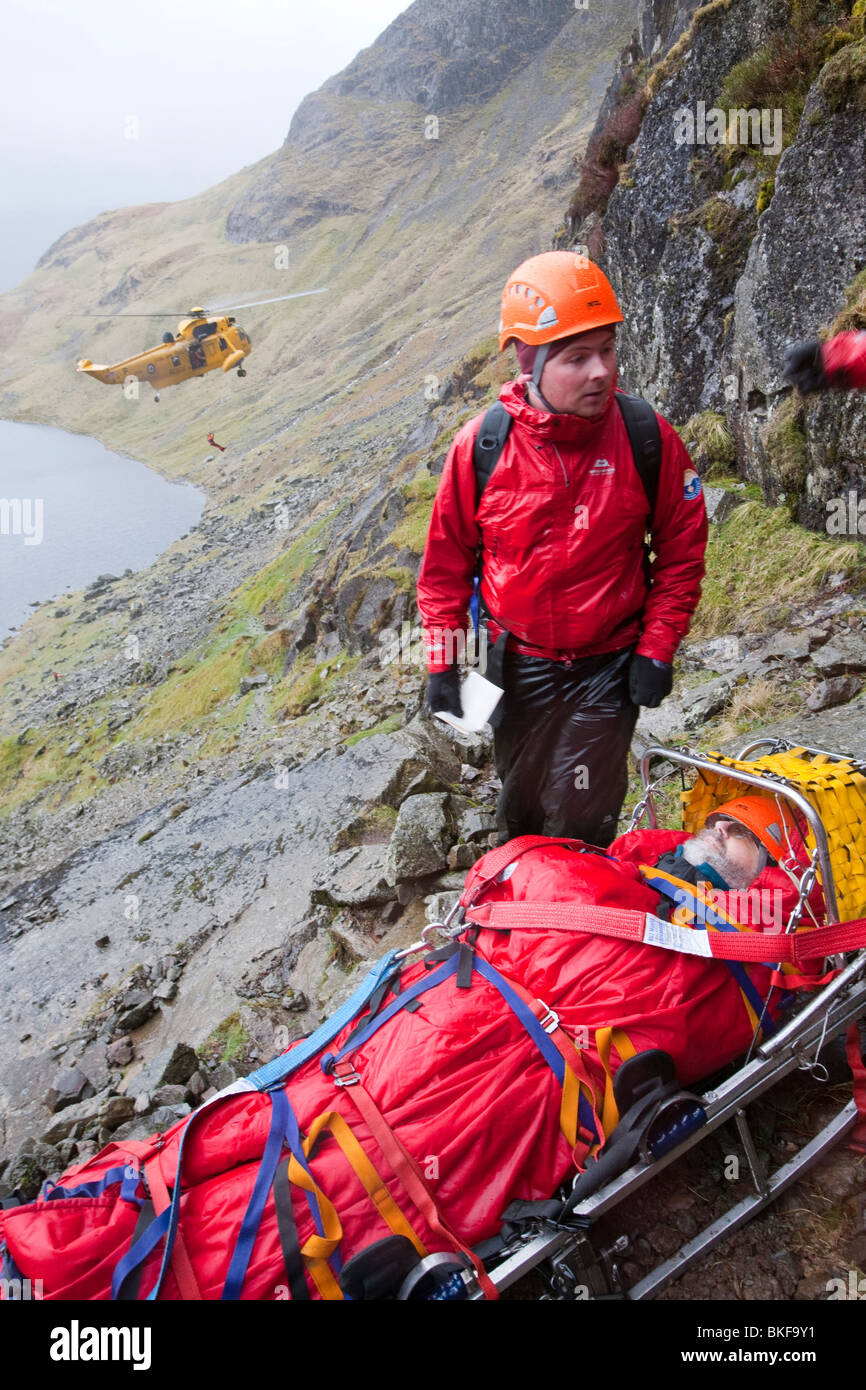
<point>628,924</point>
<point>405,1168</point>
<point>181,1264</point>
<point>498,859</point>
<point>858,1072</point>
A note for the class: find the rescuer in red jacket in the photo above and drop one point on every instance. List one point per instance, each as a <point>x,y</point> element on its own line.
<point>592,625</point>
<point>839,363</point>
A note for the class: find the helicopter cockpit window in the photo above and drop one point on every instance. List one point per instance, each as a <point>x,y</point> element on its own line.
<point>204,330</point>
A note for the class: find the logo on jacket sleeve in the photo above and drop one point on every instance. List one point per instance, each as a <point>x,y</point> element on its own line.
<point>691,485</point>
<point>603,467</point>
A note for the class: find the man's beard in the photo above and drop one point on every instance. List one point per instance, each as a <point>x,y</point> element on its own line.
<point>707,848</point>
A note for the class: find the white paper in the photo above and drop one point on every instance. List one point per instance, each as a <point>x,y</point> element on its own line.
<point>478,698</point>
<point>689,940</point>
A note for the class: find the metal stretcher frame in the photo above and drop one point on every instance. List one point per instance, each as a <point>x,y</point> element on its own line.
<point>573,1266</point>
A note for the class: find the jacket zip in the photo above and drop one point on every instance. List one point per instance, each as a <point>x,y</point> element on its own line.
<point>561,464</point>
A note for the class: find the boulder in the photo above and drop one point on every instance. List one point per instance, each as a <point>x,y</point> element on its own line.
<point>249,683</point>
<point>838,690</point>
<point>28,1171</point>
<point>419,843</point>
<point>120,1052</point>
<point>705,701</point>
<point>720,502</point>
<point>116,1110</point>
<point>69,1086</point>
<point>76,1117</point>
<point>137,1006</point>
<point>173,1066</point>
<point>438,905</point>
<point>845,652</point>
<point>475,824</point>
<point>169,1095</point>
<point>352,877</point>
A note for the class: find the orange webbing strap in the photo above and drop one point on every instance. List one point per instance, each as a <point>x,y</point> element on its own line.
<point>375,1186</point>
<point>405,1168</point>
<point>317,1249</point>
<point>181,1265</point>
<point>604,1038</point>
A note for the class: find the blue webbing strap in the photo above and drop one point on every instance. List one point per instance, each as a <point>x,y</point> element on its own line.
<point>288,1062</point>
<point>679,893</point>
<point>420,987</point>
<point>548,1049</point>
<point>98,1186</point>
<point>252,1216</point>
<point>139,1251</point>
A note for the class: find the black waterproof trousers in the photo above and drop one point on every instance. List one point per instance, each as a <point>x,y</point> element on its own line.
<point>561,749</point>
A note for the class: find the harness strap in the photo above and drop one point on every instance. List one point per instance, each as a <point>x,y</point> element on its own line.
<point>372,1025</point>
<point>406,1169</point>
<point>288,1233</point>
<point>644,928</point>
<point>130,1282</point>
<point>181,1264</point>
<point>240,1259</point>
<point>605,1038</point>
<point>288,1062</point>
<point>579,1122</point>
<point>497,859</point>
<point>364,1169</point>
<point>858,1072</point>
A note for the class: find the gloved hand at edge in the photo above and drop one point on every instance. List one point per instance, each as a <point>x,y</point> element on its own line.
<point>804,366</point>
<point>443,692</point>
<point>649,681</point>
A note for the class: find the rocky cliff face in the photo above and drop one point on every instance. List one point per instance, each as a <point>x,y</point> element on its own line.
<point>444,54</point>
<point>726,250</point>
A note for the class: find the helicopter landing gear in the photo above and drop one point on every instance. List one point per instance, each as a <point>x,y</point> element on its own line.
<point>241,371</point>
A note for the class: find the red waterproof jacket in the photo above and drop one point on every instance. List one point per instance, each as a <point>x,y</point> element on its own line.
<point>845,359</point>
<point>562,524</point>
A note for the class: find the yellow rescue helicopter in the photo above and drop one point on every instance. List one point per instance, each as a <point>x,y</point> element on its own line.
<point>205,339</point>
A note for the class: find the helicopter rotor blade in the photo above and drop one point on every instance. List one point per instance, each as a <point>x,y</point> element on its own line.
<point>214,308</point>
<point>167,314</point>
<point>254,303</point>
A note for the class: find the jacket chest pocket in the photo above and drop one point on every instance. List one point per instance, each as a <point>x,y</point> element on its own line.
<point>621,514</point>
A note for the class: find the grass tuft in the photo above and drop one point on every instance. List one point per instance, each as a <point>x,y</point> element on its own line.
<point>759,562</point>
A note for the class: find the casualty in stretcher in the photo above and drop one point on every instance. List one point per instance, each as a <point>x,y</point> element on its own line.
<point>458,1119</point>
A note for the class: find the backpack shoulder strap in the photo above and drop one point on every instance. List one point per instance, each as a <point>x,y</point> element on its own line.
<point>646,442</point>
<point>489,443</point>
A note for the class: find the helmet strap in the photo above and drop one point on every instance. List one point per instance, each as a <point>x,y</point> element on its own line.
<point>537,369</point>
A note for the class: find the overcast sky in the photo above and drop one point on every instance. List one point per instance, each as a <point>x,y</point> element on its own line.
<point>203,87</point>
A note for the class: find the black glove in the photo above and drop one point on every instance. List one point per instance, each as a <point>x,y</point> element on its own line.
<point>649,681</point>
<point>443,692</point>
<point>804,366</point>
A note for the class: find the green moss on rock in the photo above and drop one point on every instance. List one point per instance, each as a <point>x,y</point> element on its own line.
<point>843,79</point>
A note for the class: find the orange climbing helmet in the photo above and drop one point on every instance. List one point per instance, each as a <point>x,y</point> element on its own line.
<point>553,296</point>
<point>768,818</point>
